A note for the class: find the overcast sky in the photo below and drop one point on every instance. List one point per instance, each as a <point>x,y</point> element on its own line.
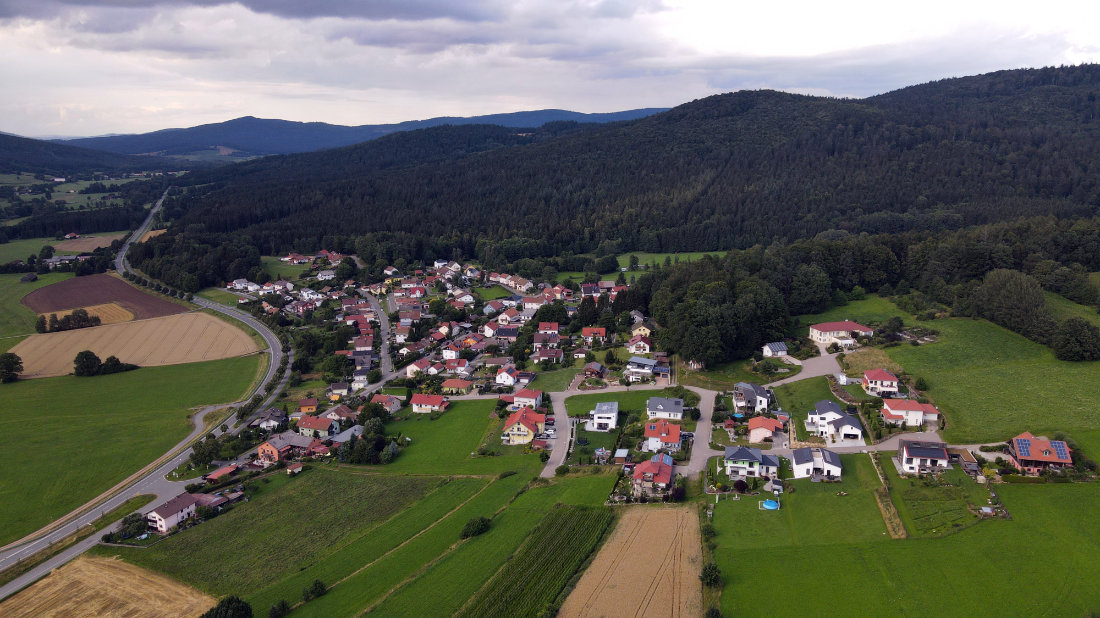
<point>87,67</point>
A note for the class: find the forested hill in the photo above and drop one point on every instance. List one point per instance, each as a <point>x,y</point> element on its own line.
<point>250,136</point>
<point>22,154</point>
<point>726,171</point>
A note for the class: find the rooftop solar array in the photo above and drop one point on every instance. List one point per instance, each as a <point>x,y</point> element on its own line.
<point>1060,449</point>
<point>1023,445</point>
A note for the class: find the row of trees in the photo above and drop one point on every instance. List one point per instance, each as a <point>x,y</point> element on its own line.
<point>87,364</point>
<point>78,318</point>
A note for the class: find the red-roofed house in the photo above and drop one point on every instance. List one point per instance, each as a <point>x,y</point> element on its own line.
<point>317,426</point>
<point>522,427</point>
<point>507,375</point>
<point>1031,455</point>
<point>840,333</point>
<point>221,473</point>
<point>594,335</point>
<point>880,383</point>
<point>420,365</point>
<point>429,403</point>
<point>762,428</point>
<point>908,413</point>
<point>528,397</point>
<point>639,345</point>
<point>389,402</point>
<point>653,476</point>
<point>457,386</point>
<point>307,406</point>
<point>662,435</point>
<point>548,328</point>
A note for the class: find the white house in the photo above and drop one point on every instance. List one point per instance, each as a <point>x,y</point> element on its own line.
<point>169,515</point>
<point>880,383</point>
<point>662,435</point>
<point>309,294</point>
<point>908,413</point>
<point>326,275</point>
<point>420,365</point>
<point>819,462</point>
<point>740,461</point>
<point>506,375</point>
<point>639,345</point>
<point>663,407</point>
<point>841,333</point>
<point>828,419</point>
<point>528,398</point>
<point>917,457</point>
<point>639,369</point>
<point>776,348</point>
<point>752,397</point>
<point>604,418</point>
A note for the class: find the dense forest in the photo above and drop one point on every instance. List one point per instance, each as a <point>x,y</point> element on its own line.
<point>21,154</point>
<point>728,171</point>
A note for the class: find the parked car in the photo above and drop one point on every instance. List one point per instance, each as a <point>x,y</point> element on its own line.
<point>551,432</point>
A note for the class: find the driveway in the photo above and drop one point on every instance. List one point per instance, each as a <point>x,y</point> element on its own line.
<point>824,365</point>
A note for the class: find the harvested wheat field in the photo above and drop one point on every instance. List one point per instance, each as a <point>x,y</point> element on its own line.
<point>151,234</point>
<point>88,243</point>
<point>171,340</point>
<point>98,290</point>
<point>109,313</point>
<point>91,586</point>
<point>649,567</point>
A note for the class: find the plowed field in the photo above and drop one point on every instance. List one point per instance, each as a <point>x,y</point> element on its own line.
<point>171,340</point>
<point>649,567</point>
<point>88,243</point>
<point>98,290</point>
<point>106,587</point>
<point>109,313</point>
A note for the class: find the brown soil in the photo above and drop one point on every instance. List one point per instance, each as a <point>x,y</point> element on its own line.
<point>88,243</point>
<point>98,290</point>
<point>105,587</point>
<point>171,340</point>
<point>109,313</point>
<point>151,234</point>
<point>649,567</point>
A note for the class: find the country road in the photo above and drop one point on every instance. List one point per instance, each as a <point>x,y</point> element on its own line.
<point>153,480</point>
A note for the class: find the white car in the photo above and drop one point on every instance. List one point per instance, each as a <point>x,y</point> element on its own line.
<point>551,432</point>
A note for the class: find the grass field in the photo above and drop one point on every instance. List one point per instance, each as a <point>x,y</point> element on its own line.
<point>935,510</point>
<point>219,295</point>
<point>798,398</point>
<point>1062,308</point>
<point>492,293</point>
<point>865,359</point>
<point>871,309</point>
<point>722,377</point>
<point>1045,530</point>
<point>15,318</point>
<point>23,248</point>
<point>659,258</point>
<point>282,270</point>
<point>596,439</point>
<point>64,440</point>
<point>629,401</point>
<point>558,379</point>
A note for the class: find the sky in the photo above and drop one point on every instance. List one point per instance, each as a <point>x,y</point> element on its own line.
<point>87,67</point>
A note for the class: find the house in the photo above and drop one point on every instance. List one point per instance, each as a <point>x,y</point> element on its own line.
<point>880,383</point>
<point>420,365</point>
<point>548,354</point>
<point>363,344</point>
<point>829,420</point>
<point>745,461</point>
<point>326,275</point>
<point>522,426</point>
<point>590,289</point>
<point>337,390</point>
<point>429,403</point>
<point>450,352</point>
<point>653,476</point>
<point>390,271</point>
<point>307,406</point>
<point>1032,455</point>
<point>549,328</point>
<point>640,344</point>
<point>389,402</point>
<point>918,457</point>
<point>293,469</point>
<point>595,370</point>
<point>774,349</point>
<point>528,397</point>
<point>317,426</point>
<point>594,335</point>
<point>360,378</point>
<point>664,407</point>
<point>340,413</point>
<point>283,445</point>
<point>507,375</point>
<point>908,413</point>
<point>621,456</point>
<point>347,435</point>
<point>456,386</point>
<point>641,329</point>
<point>221,473</point>
<point>816,462</point>
<point>749,397</point>
<point>762,428</point>
<point>841,333</point>
<point>639,369</point>
<point>604,417</point>
<point>269,420</point>
<point>169,515</point>
<point>545,340</point>
<point>456,365</point>
<point>662,435</point>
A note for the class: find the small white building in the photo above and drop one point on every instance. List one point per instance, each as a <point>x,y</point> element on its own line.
<point>774,349</point>
<point>326,275</point>
<point>665,407</point>
<point>820,462</point>
<point>605,417</point>
<point>169,515</point>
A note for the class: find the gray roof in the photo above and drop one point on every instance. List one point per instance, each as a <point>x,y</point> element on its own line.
<point>665,404</point>
<point>930,450</point>
<point>770,460</point>
<point>825,405</point>
<point>638,360</point>
<point>776,346</point>
<point>802,455</point>
<point>846,421</point>
<point>344,436</point>
<point>743,453</point>
<point>607,407</point>
<point>831,458</point>
<point>290,438</point>
<point>753,390</point>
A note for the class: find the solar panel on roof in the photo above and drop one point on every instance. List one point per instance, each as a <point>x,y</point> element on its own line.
<point>1024,446</point>
<point>1060,449</point>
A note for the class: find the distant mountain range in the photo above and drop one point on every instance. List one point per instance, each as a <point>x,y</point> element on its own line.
<point>22,154</point>
<point>250,137</point>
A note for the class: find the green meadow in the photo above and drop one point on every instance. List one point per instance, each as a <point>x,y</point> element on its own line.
<point>282,270</point>
<point>17,320</point>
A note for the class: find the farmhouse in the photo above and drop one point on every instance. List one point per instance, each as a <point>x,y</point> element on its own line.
<point>752,397</point>
<point>917,457</point>
<point>762,428</point>
<point>522,427</point>
<point>317,426</point>
<point>816,462</point>
<point>428,403</point>
<point>841,333</point>
<point>880,383</point>
<point>1032,455</point>
<point>662,407</point>
<point>743,461</point>
<point>653,476</point>
<point>908,412</point>
<point>662,435</point>
<point>774,349</point>
<point>169,515</point>
<point>604,417</point>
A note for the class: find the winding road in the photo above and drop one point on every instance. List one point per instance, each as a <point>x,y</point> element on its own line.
<point>151,479</point>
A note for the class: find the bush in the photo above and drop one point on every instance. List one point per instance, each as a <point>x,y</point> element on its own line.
<point>708,531</point>
<point>280,609</point>
<point>230,607</point>
<point>714,612</point>
<point>711,575</point>
<point>475,527</point>
<point>562,470</point>
<point>315,590</point>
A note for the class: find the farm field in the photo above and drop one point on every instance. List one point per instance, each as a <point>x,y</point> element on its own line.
<point>629,401</point>
<point>171,340</point>
<point>64,440</point>
<point>799,397</point>
<point>96,290</point>
<point>649,566</point>
<point>935,511</point>
<point>151,234</point>
<point>109,313</point>
<point>89,243</point>
<point>1045,529</point>
<point>91,586</point>
<point>16,318</point>
<point>282,270</point>
<point>865,359</point>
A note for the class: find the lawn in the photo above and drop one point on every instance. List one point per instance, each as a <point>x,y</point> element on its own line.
<point>722,377</point>
<point>596,439</point>
<point>1045,535</point>
<point>282,270</point>
<point>15,318</point>
<point>1062,308</point>
<point>935,510</point>
<point>23,248</point>
<point>798,398</point>
<point>290,528</point>
<point>629,401</point>
<point>492,293</point>
<point>654,259</point>
<point>870,309</point>
<point>65,440</point>
<point>219,295</point>
<point>865,359</point>
<point>558,379</point>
